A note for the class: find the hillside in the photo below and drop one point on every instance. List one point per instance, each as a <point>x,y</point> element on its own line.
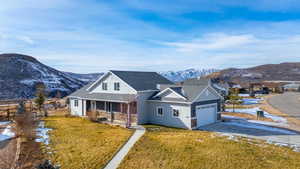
<point>19,75</point>
<point>269,72</point>
<point>85,77</point>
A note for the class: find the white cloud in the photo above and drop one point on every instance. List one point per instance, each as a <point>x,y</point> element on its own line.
<point>213,41</point>
<point>26,39</point>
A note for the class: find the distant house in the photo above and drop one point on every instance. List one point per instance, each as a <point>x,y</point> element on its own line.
<point>132,97</point>
<point>292,87</point>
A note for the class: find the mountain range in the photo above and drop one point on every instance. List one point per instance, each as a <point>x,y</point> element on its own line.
<point>289,71</point>
<point>19,75</point>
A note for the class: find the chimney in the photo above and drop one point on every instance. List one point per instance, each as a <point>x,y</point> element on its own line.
<point>158,86</point>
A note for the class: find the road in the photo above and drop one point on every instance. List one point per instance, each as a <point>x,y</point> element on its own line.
<point>288,103</point>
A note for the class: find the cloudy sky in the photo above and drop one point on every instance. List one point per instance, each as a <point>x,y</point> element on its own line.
<point>97,35</point>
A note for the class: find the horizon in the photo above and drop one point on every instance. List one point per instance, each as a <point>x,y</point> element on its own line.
<point>151,36</point>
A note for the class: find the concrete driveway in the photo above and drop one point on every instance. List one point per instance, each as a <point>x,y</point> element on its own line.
<point>288,103</point>
<point>256,131</point>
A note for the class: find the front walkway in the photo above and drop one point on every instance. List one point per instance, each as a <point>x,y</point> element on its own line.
<point>117,159</point>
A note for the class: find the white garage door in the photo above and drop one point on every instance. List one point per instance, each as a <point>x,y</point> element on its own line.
<point>206,114</point>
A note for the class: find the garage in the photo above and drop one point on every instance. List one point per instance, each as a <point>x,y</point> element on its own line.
<point>206,114</point>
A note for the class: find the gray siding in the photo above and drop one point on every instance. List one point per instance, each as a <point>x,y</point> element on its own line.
<point>142,106</point>
<point>183,121</point>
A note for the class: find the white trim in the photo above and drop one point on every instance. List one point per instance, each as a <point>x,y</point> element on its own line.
<point>169,101</point>
<point>171,91</point>
<point>208,87</point>
<point>100,78</point>
<point>159,107</point>
<point>76,103</point>
<point>118,86</point>
<point>216,92</point>
<point>123,81</point>
<point>144,91</point>
<point>200,94</point>
<point>118,101</point>
<point>215,105</point>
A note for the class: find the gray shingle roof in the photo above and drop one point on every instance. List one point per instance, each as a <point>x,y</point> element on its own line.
<point>141,81</point>
<point>190,92</point>
<point>83,93</point>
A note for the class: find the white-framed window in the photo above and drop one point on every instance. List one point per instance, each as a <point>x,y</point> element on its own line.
<point>104,86</point>
<point>159,111</point>
<point>175,113</point>
<point>76,103</point>
<point>117,86</point>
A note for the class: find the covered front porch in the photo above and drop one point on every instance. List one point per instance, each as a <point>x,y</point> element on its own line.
<point>120,113</point>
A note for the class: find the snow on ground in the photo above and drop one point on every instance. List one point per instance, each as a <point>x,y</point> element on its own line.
<point>7,132</point>
<point>42,133</point>
<point>2,123</point>
<point>249,101</point>
<point>247,124</point>
<point>244,95</point>
<point>253,111</point>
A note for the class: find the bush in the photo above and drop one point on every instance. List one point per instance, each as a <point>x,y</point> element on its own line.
<point>47,165</point>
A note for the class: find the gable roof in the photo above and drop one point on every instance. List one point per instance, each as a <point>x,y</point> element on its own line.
<point>189,89</point>
<point>189,92</point>
<point>141,81</point>
<point>85,94</point>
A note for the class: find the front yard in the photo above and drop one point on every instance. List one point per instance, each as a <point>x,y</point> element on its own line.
<point>169,148</point>
<point>76,143</point>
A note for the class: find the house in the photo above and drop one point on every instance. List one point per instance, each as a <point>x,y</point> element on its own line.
<point>292,87</point>
<point>132,97</point>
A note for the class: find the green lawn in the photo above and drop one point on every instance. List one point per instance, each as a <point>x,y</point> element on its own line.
<point>169,148</point>
<point>77,143</point>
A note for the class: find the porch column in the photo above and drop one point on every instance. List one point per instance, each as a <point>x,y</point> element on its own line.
<point>128,115</point>
<point>111,113</point>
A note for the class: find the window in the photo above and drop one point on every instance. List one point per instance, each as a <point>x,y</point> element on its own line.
<point>175,113</point>
<point>160,111</point>
<point>117,86</point>
<point>76,103</point>
<point>104,86</point>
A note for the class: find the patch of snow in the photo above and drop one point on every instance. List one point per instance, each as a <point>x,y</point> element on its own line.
<point>42,133</point>
<point>244,95</point>
<point>4,123</point>
<point>249,101</point>
<point>268,123</point>
<point>233,117</point>
<point>253,111</point>
<point>7,133</point>
<point>260,127</point>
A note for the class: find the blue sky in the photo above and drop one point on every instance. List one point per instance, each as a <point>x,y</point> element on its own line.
<point>158,35</point>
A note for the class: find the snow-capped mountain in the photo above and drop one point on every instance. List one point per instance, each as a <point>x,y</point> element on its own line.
<point>85,77</point>
<point>19,75</point>
<point>178,76</point>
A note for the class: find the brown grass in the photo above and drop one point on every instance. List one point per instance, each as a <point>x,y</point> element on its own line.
<point>170,148</point>
<point>77,143</point>
<point>247,116</point>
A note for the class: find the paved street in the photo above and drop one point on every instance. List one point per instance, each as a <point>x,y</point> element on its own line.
<point>287,137</point>
<point>288,103</point>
